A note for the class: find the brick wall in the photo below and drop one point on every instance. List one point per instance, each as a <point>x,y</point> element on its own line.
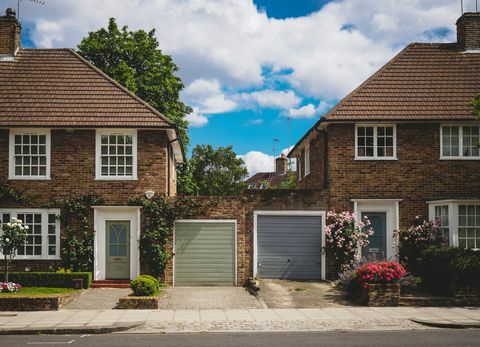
<point>468,31</point>
<point>9,35</point>
<point>416,177</point>
<point>316,179</point>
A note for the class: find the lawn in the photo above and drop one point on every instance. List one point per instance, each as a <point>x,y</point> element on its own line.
<point>40,291</point>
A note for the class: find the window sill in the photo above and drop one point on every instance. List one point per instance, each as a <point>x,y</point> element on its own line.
<point>29,178</point>
<point>374,159</point>
<point>460,158</point>
<point>116,179</point>
<point>20,257</point>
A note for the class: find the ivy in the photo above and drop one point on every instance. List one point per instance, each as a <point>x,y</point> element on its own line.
<point>476,106</point>
<point>160,216</point>
<point>8,193</point>
<point>77,236</point>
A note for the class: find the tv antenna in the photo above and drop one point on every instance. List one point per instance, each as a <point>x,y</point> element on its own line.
<point>275,140</point>
<point>38,2</point>
<point>463,9</point>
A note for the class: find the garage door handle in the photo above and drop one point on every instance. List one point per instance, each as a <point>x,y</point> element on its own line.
<point>288,260</point>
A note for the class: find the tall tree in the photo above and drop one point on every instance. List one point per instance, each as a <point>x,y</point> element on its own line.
<point>216,171</point>
<point>134,59</point>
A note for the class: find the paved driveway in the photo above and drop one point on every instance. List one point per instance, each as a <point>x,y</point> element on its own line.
<point>97,299</point>
<point>207,298</point>
<point>301,294</point>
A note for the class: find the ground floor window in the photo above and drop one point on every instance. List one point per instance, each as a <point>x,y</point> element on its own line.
<point>460,220</point>
<point>43,238</point>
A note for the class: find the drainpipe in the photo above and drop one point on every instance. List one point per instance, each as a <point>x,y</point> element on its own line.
<point>168,169</point>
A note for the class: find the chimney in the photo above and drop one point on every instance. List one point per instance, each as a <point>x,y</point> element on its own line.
<point>468,31</point>
<point>9,35</point>
<point>281,165</point>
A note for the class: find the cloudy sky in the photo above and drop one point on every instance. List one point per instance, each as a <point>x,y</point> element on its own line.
<point>250,65</point>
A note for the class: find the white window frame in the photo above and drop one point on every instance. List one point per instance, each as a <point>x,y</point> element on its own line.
<point>375,139</point>
<point>453,214</point>
<point>45,212</point>
<point>11,152</point>
<point>460,144</point>
<point>307,160</point>
<point>98,154</point>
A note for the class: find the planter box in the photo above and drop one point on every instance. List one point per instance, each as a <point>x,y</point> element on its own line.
<point>35,303</point>
<point>379,295</point>
<point>138,303</point>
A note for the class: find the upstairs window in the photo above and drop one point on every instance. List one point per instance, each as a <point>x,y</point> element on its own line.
<point>116,155</point>
<point>375,142</point>
<point>460,142</point>
<point>29,154</point>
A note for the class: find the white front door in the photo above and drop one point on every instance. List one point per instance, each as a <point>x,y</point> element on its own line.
<point>116,245</point>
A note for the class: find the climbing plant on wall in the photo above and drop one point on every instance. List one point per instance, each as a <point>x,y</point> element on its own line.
<point>77,235</point>
<point>476,106</point>
<point>160,215</point>
<point>10,194</point>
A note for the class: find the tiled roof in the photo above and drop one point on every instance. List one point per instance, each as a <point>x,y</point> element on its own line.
<point>58,88</point>
<point>423,82</point>
<point>273,179</point>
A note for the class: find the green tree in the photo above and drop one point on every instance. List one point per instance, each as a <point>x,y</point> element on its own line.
<point>290,182</point>
<point>14,235</point>
<point>217,171</point>
<point>134,60</point>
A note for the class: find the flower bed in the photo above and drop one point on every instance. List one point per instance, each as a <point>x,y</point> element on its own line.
<point>376,283</point>
<point>36,299</point>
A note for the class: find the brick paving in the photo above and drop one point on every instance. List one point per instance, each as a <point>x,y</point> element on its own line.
<point>97,299</point>
<point>208,298</point>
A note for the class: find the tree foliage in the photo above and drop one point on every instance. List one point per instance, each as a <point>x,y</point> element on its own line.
<point>476,106</point>
<point>215,172</point>
<point>134,60</point>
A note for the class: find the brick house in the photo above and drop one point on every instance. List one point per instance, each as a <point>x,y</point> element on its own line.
<point>274,179</point>
<point>67,129</point>
<point>405,143</point>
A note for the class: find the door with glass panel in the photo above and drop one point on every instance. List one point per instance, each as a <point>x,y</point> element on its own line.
<point>118,249</point>
<point>377,247</point>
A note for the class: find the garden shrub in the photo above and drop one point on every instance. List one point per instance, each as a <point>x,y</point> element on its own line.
<point>50,279</point>
<point>383,272</point>
<point>445,268</point>
<point>145,285</point>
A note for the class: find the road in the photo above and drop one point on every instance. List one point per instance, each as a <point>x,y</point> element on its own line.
<point>384,338</point>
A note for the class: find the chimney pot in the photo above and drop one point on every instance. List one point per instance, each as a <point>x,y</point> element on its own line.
<point>10,13</point>
<point>468,31</point>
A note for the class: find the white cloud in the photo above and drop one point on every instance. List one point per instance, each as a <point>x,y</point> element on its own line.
<point>307,111</point>
<point>279,99</point>
<point>230,41</point>
<point>208,96</point>
<point>256,121</point>
<point>196,119</point>
<point>256,161</point>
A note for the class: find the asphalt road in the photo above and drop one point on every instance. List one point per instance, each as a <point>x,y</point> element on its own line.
<point>384,338</point>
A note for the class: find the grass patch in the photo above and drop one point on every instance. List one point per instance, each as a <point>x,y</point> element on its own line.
<point>40,291</point>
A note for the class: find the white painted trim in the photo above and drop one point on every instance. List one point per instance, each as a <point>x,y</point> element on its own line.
<point>45,213</point>
<point>234,221</point>
<point>102,214</point>
<point>322,214</point>
<point>392,208</point>
<point>375,139</point>
<point>460,144</point>
<point>11,152</point>
<point>307,160</point>
<point>98,143</point>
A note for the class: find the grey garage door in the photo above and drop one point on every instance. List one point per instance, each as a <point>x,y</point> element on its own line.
<point>289,247</point>
<point>204,254</point>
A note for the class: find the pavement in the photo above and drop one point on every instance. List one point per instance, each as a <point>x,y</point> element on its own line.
<point>236,320</point>
<point>97,299</point>
<point>301,294</point>
<point>208,298</point>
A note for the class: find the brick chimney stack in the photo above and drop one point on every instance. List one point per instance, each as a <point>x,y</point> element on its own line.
<point>9,34</point>
<point>281,165</point>
<point>468,31</point>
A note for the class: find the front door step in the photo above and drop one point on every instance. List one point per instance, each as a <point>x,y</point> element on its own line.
<point>111,284</point>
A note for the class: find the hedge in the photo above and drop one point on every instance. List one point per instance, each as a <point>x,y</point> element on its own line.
<point>49,279</point>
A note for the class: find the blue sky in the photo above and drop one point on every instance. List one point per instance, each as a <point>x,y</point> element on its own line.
<point>250,65</point>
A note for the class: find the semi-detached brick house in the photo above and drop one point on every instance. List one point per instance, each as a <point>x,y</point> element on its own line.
<point>405,143</point>
<point>67,129</point>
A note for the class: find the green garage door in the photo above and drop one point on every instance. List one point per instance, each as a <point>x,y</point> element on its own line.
<point>204,253</point>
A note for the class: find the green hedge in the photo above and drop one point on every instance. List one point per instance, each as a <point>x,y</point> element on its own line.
<point>145,285</point>
<point>49,279</point>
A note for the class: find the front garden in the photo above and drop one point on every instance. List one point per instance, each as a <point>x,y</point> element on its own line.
<point>427,267</point>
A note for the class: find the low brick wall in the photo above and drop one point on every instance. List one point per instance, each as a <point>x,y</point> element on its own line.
<point>138,303</point>
<point>379,295</point>
<point>467,297</point>
<point>35,303</point>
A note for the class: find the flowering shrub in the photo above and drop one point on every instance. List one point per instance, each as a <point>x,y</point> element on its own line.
<point>417,237</point>
<point>344,235</point>
<point>378,273</point>
<point>9,287</point>
<point>14,235</point>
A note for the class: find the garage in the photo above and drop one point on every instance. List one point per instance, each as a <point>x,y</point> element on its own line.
<point>205,253</point>
<point>289,245</point>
